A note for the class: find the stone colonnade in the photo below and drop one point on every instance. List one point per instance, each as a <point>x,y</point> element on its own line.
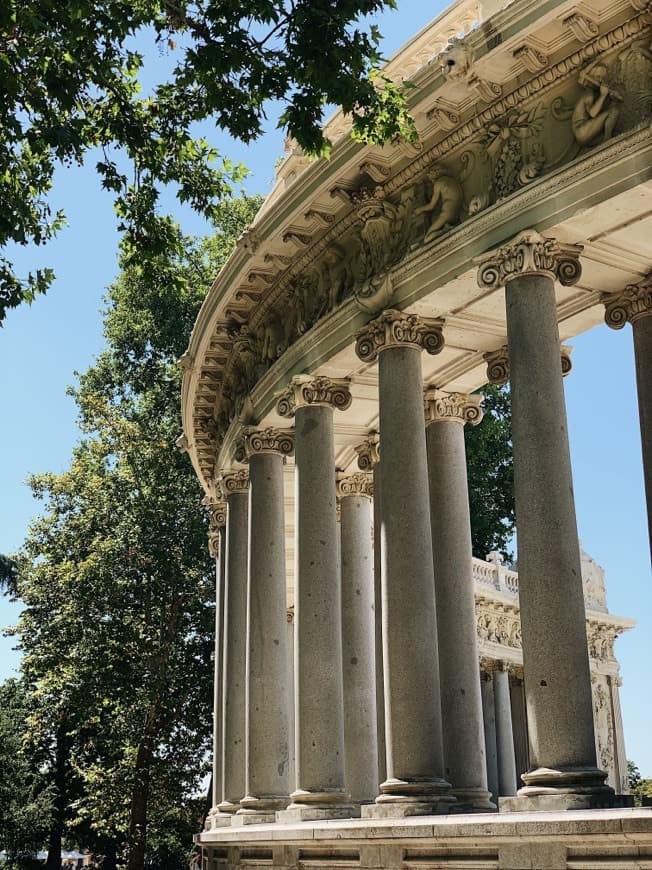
<point>391,715</point>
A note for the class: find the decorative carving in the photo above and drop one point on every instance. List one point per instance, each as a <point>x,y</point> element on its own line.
<point>530,253</point>
<point>455,60</point>
<point>532,58</point>
<point>487,90</point>
<point>500,626</point>
<point>566,361</point>
<point>378,172</point>
<point>358,483</point>
<point>445,201</point>
<point>497,365</point>
<point>628,305</point>
<point>234,481</point>
<point>185,361</point>
<point>182,443</point>
<point>249,241</point>
<point>216,521</point>
<point>368,452</point>
<point>443,115</point>
<point>604,731</point>
<point>583,27</point>
<point>453,407</point>
<point>395,329</point>
<point>595,115</point>
<point>601,639</point>
<point>300,240</point>
<point>269,440</point>
<point>307,390</point>
<point>516,159</point>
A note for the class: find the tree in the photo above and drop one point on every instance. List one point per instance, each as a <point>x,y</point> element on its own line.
<point>491,474</point>
<point>25,800</point>
<point>70,86</point>
<point>118,585</point>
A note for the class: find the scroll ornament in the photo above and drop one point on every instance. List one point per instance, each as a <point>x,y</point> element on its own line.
<point>368,452</point>
<point>234,482</point>
<point>628,305</point>
<point>452,407</point>
<point>216,521</point>
<point>397,329</point>
<point>498,364</point>
<point>270,440</point>
<point>530,254</point>
<point>307,390</point>
<point>358,483</point>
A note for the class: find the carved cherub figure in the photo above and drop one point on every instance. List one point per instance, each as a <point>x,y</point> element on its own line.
<point>447,197</point>
<point>595,114</point>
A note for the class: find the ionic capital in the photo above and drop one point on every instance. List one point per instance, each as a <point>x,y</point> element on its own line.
<point>305,390</point>
<point>628,305</point>
<point>234,481</point>
<point>216,521</point>
<point>398,329</point>
<point>452,407</point>
<point>498,363</point>
<point>270,440</point>
<point>358,483</point>
<point>529,253</point>
<point>368,452</point>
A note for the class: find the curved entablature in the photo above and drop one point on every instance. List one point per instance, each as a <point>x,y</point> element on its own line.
<point>534,115</point>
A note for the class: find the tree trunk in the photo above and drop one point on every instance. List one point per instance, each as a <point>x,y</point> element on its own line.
<point>139,802</point>
<point>55,834</point>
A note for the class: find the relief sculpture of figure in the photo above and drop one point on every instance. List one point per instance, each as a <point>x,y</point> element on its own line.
<point>595,114</point>
<point>445,202</point>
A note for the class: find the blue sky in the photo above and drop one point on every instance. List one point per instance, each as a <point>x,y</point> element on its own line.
<point>41,346</point>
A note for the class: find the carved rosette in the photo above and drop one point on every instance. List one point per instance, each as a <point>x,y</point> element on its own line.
<point>358,483</point>
<point>398,329</point>
<point>368,452</point>
<point>234,482</point>
<point>628,305</point>
<point>270,440</point>
<point>307,390</point>
<point>452,407</point>
<point>530,254</point>
<point>216,511</point>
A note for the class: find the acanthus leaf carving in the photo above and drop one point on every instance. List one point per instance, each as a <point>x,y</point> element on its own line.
<point>397,328</point>
<point>306,390</point>
<point>530,253</point>
<point>453,407</point>
<point>359,483</point>
<point>628,305</point>
<point>368,452</point>
<point>234,481</point>
<point>268,440</point>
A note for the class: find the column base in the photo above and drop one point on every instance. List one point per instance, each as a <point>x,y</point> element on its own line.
<point>473,800</point>
<point>308,806</point>
<point>217,820</point>
<point>564,789</point>
<point>400,798</point>
<point>259,810</point>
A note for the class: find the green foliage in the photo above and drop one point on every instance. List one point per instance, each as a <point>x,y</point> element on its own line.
<point>640,788</point>
<point>71,81</point>
<point>491,474</point>
<point>25,799</point>
<point>117,582</point>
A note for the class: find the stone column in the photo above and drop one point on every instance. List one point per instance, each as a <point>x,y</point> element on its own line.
<point>358,638</point>
<point>461,702</point>
<point>504,732</point>
<point>489,722</point>
<point>634,305</point>
<point>267,696</point>
<point>319,716</point>
<point>369,460</point>
<point>415,782</point>
<point>235,486</point>
<point>555,658</point>
<point>216,541</point>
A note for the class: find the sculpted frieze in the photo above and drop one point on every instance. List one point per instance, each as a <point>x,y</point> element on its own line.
<point>556,115</point>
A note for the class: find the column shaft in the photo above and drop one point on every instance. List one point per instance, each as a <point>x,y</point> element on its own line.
<point>358,650</point>
<point>504,734</point>
<point>642,329</point>
<point>220,566</point>
<point>378,630</point>
<point>556,665</point>
<point>461,702</point>
<point>489,721</point>
<point>267,741</point>
<point>234,663</point>
<point>319,722</point>
<point>411,668</point>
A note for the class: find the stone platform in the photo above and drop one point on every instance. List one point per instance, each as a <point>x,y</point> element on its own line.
<point>573,840</point>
